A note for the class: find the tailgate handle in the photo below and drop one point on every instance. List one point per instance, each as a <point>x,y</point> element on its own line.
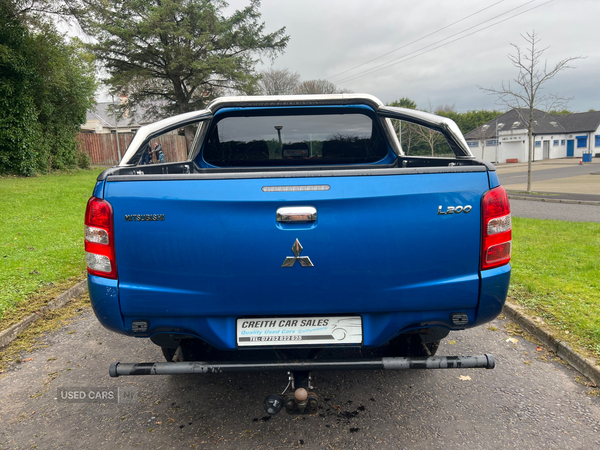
<point>297,214</point>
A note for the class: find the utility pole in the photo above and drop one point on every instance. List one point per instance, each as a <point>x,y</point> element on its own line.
<point>117,126</point>
<point>497,140</point>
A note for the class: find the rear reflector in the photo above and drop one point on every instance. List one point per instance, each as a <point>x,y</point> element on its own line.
<point>99,239</point>
<point>497,253</point>
<point>496,235</point>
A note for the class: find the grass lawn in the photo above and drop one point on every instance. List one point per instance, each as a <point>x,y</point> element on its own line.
<point>41,233</point>
<point>556,275</point>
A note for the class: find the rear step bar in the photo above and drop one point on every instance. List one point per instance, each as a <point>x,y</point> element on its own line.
<point>187,367</point>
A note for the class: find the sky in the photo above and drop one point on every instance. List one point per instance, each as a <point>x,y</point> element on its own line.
<point>329,39</point>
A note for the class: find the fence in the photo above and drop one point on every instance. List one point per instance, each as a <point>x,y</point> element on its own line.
<point>102,147</point>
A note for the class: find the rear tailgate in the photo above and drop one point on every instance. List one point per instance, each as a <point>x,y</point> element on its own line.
<point>378,245</point>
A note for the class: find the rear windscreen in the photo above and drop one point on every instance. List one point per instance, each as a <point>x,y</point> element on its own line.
<point>313,139</point>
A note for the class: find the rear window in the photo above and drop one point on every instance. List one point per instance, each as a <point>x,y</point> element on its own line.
<point>302,139</point>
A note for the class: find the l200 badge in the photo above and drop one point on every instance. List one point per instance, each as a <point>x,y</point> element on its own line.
<point>455,209</point>
<point>303,260</point>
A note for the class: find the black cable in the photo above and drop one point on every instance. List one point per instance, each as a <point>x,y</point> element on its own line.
<point>406,58</point>
<point>415,41</point>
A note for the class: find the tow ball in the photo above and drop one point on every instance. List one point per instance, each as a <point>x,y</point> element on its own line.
<point>300,400</point>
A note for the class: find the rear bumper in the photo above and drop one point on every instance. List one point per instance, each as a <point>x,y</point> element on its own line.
<point>378,327</point>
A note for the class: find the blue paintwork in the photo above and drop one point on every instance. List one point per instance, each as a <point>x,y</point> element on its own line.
<point>98,189</point>
<point>570,147</point>
<point>494,288</point>
<point>218,254</point>
<point>105,302</point>
<point>494,180</point>
<point>379,250</point>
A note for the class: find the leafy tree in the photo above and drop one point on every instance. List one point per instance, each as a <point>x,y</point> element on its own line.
<point>319,87</point>
<point>470,120</point>
<point>64,92</point>
<point>525,94</point>
<point>560,112</point>
<point>404,102</point>
<point>174,56</point>
<point>46,86</point>
<point>278,82</point>
<point>19,129</point>
<point>33,13</point>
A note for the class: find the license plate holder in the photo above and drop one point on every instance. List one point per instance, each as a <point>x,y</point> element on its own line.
<point>299,331</point>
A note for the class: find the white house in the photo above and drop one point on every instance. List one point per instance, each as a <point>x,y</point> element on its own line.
<point>504,139</point>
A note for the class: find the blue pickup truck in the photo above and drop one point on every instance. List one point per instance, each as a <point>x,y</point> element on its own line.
<point>298,223</point>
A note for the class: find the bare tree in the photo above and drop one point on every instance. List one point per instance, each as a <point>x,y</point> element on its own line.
<point>318,87</point>
<point>429,136</point>
<point>481,134</point>
<point>278,82</point>
<point>524,95</point>
<point>405,131</point>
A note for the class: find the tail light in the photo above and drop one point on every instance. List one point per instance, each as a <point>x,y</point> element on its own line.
<point>496,229</point>
<point>99,239</point>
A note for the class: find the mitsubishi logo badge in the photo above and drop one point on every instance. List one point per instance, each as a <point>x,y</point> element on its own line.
<point>291,260</point>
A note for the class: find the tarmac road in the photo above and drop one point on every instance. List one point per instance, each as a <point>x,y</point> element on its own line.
<point>548,172</point>
<point>527,402</point>
<point>555,211</point>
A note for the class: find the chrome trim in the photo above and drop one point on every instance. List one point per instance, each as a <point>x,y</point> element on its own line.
<point>297,214</point>
<point>310,188</point>
<point>268,175</point>
<point>442,124</point>
<point>454,209</point>
<point>295,100</point>
<point>388,129</point>
<point>303,260</point>
<point>147,132</point>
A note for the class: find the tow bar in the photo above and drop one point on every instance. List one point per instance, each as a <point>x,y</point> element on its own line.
<point>302,400</point>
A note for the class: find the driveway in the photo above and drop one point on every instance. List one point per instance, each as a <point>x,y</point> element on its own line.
<point>529,401</point>
<point>555,211</point>
<point>554,175</point>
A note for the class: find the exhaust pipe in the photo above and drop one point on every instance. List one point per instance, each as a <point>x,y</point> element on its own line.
<point>199,367</point>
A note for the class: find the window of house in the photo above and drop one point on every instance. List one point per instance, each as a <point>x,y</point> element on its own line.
<point>562,142</point>
<point>597,140</point>
<point>538,143</point>
<point>491,142</point>
<point>516,124</point>
<point>473,143</point>
<point>555,143</point>
<point>581,141</point>
<point>554,124</point>
<point>500,126</point>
